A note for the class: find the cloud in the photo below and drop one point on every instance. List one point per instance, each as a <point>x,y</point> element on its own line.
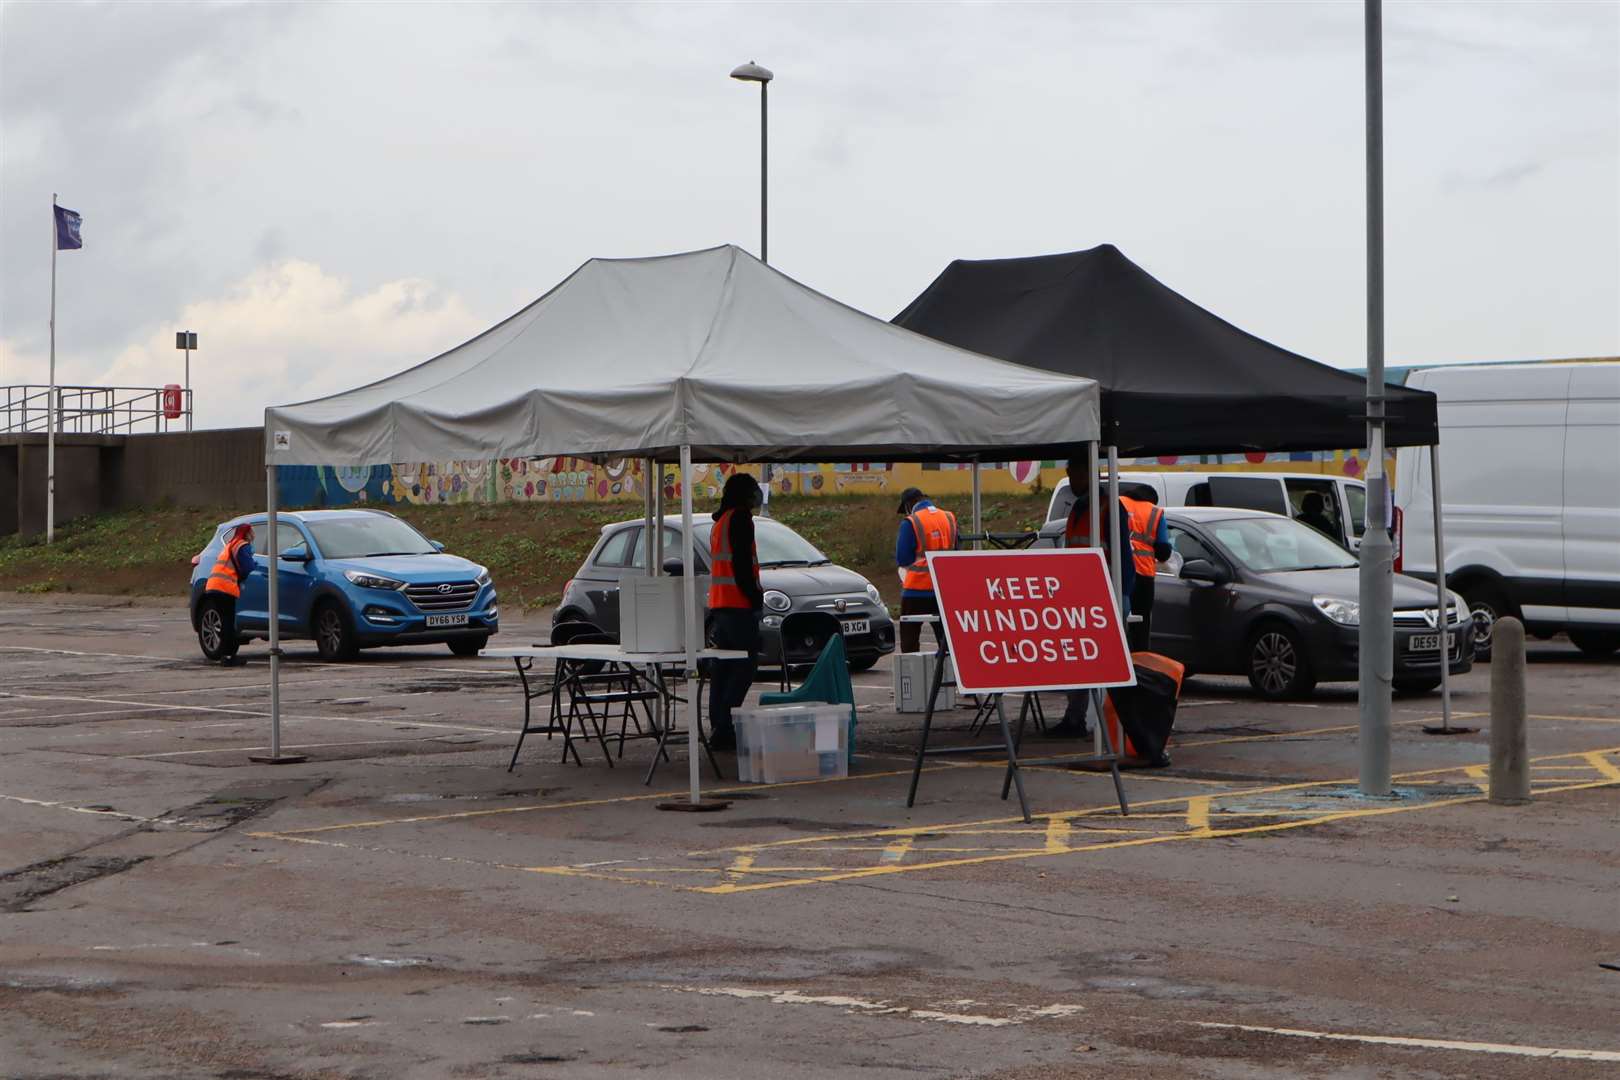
<point>293,331</point>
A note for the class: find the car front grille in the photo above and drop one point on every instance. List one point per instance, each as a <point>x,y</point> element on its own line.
<point>443,596</point>
<point>1423,618</point>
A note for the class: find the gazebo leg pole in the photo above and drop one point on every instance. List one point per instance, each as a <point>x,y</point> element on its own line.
<point>689,589</point>
<point>272,567</point>
<point>978,507</point>
<point>647,536</point>
<point>1094,516</point>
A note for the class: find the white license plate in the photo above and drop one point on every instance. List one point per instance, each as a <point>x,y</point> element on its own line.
<point>857,626</point>
<point>451,620</point>
<point>1427,642</point>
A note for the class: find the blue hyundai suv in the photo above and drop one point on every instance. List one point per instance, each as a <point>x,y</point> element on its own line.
<point>351,580</point>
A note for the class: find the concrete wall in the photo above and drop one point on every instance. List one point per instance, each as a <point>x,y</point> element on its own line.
<point>96,473</point>
<point>222,467</point>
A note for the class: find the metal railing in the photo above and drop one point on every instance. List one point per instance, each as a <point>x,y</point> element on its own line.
<point>91,410</point>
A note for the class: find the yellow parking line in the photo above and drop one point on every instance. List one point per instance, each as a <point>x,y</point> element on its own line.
<point>1198,813</point>
<point>1013,856</point>
<point>1604,766</point>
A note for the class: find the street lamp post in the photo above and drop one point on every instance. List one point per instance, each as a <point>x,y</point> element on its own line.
<point>187,340</point>
<point>752,72</point>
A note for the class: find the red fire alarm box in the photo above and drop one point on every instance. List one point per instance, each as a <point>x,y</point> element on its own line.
<point>173,408</point>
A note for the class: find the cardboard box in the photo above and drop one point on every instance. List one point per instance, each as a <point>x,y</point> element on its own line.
<point>914,676</point>
<point>651,613</point>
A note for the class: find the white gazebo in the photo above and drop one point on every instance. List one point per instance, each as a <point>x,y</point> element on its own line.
<point>704,356</point>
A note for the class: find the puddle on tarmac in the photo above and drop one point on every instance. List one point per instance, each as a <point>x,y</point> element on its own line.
<point>367,960</point>
<point>774,965</point>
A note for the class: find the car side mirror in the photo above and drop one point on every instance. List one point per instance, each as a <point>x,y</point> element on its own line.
<point>1203,570</point>
<point>674,568</point>
<point>295,555</point>
<point>438,545</point>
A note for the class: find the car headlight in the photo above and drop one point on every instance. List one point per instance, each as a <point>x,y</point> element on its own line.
<point>1343,612</point>
<point>372,581</point>
<point>777,601</point>
<point>483,576</point>
<point>873,595</point>
<point>1459,611</point>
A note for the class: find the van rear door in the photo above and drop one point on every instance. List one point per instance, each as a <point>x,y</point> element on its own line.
<point>1592,496</point>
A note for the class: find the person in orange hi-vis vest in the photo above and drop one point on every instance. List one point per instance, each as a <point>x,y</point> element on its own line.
<point>924,527</point>
<point>1150,545</point>
<point>230,569</point>
<point>735,600</point>
<point>1077,534</point>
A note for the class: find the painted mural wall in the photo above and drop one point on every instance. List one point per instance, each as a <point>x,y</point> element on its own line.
<point>566,479</point>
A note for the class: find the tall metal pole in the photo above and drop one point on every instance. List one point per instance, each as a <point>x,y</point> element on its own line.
<point>188,381</point>
<point>764,163</point>
<point>52,410</point>
<point>978,506</point>
<point>1441,596</point>
<point>1377,580</point>
<point>766,473</point>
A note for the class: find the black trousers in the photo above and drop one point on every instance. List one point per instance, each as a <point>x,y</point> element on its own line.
<point>732,628</point>
<point>1139,635</point>
<point>225,604</point>
<point>911,633</point>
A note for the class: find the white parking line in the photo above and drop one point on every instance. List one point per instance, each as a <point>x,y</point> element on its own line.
<point>1427,1044</point>
<point>393,721</point>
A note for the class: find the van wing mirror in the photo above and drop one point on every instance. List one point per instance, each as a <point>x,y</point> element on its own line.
<point>674,568</point>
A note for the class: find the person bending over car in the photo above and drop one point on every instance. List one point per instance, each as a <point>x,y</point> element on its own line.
<point>224,587</point>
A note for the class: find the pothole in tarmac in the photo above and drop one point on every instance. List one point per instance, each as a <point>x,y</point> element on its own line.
<point>764,965</point>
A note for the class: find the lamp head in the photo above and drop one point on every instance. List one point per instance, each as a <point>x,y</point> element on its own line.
<point>752,72</point>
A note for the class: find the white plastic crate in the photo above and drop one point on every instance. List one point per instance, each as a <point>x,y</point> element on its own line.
<point>913,676</point>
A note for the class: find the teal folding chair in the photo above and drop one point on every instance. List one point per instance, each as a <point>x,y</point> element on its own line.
<point>827,682</point>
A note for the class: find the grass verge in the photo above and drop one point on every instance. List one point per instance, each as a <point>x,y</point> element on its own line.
<point>530,548</point>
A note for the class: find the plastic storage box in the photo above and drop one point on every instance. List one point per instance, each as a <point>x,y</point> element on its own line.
<point>779,743</point>
<point>914,676</point>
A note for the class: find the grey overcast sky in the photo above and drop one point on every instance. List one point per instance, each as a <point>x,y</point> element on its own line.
<point>326,192</point>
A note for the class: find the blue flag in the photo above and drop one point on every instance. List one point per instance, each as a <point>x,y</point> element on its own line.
<point>67,230</point>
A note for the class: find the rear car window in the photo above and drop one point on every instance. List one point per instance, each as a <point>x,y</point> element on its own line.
<point>615,548</point>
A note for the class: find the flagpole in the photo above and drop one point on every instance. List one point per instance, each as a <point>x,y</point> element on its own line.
<point>50,401</point>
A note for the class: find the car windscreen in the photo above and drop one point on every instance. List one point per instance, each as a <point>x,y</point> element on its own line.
<point>778,545</point>
<point>1270,544</point>
<point>362,537</point>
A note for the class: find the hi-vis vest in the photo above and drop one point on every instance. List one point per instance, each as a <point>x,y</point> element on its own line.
<point>723,591</point>
<point>1077,532</point>
<point>223,577</point>
<point>935,530</point>
<point>1145,519</point>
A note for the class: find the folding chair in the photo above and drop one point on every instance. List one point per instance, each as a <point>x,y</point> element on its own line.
<point>811,630</point>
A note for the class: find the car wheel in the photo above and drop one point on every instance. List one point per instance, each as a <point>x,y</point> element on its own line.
<point>333,636</point>
<point>468,646</point>
<point>1487,603</point>
<point>1422,685</point>
<point>862,663</point>
<point>213,638</point>
<point>1278,667</point>
<point>1597,643</point>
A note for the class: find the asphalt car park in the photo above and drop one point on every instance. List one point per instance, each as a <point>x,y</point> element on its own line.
<point>400,905</point>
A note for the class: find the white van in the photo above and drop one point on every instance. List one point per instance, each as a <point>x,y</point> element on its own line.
<point>1530,483</point>
<point>1335,505</point>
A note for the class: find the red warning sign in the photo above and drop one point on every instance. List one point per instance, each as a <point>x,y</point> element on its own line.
<point>1030,620</point>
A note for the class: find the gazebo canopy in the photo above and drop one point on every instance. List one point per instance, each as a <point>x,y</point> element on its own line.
<point>1175,378</point>
<point>709,349</point>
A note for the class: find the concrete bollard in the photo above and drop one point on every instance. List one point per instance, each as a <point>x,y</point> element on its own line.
<point>1510,756</point>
